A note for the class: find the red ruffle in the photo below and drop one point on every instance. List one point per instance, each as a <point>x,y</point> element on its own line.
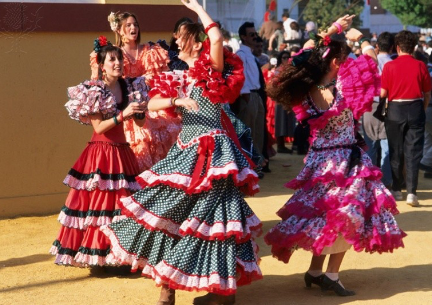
<point>218,87</point>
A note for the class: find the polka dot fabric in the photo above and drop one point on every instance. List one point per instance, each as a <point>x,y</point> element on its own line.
<point>193,233</point>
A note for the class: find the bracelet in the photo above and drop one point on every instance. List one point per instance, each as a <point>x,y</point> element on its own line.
<point>363,39</point>
<point>211,25</point>
<point>172,101</point>
<point>115,120</point>
<point>338,26</point>
<point>368,47</point>
<point>121,116</point>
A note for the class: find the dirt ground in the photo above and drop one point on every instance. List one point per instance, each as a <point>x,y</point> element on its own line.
<point>28,275</point>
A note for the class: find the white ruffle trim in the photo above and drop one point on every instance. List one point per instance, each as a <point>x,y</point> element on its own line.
<point>98,182</point>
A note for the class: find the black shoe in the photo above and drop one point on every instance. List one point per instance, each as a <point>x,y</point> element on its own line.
<point>266,169</point>
<point>258,170</point>
<point>425,168</point>
<point>328,284</point>
<point>309,280</point>
<point>284,150</point>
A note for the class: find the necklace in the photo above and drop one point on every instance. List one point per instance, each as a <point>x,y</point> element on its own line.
<point>323,87</point>
<point>131,58</point>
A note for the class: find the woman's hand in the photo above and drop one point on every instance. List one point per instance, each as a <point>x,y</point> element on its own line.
<point>133,108</point>
<point>187,103</point>
<point>353,35</point>
<point>345,21</point>
<point>191,4</point>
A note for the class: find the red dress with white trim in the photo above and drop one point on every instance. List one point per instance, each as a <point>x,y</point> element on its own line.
<point>190,227</point>
<point>151,142</point>
<point>104,173</point>
<point>339,192</point>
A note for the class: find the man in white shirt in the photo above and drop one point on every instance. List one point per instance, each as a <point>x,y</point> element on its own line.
<point>250,108</point>
<point>287,21</point>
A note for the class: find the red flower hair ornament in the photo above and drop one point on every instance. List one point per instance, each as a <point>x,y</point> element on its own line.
<point>100,42</point>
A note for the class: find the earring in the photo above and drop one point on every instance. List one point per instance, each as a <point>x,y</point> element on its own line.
<point>124,39</point>
<point>103,74</point>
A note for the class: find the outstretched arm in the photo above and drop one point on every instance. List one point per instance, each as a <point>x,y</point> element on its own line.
<point>214,34</point>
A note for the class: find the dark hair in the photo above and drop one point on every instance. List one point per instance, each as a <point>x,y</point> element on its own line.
<point>242,28</point>
<point>191,32</point>
<point>291,86</point>
<point>280,55</point>
<point>295,49</point>
<point>294,26</point>
<point>259,39</point>
<point>429,44</point>
<point>385,42</point>
<point>177,26</point>
<point>285,14</point>
<point>406,41</point>
<point>420,56</point>
<point>226,34</point>
<point>101,56</point>
<point>122,17</point>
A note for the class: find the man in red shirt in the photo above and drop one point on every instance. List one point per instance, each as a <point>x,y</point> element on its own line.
<point>407,85</point>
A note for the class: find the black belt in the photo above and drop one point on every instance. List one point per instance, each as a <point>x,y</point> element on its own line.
<point>255,90</point>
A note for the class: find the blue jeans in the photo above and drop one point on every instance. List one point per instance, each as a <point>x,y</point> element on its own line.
<point>374,148</point>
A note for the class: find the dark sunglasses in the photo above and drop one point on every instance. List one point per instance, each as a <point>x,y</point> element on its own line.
<point>253,34</point>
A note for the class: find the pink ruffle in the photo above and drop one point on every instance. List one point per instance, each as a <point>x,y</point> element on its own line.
<point>64,259</point>
<point>337,175</point>
<point>194,226</point>
<point>360,82</point>
<point>98,182</point>
<point>82,223</point>
<point>84,101</point>
<point>246,179</point>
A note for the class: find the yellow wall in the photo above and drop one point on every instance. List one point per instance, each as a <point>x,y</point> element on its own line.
<point>39,142</point>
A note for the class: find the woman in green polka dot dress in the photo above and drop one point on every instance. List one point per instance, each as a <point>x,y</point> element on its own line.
<point>189,227</point>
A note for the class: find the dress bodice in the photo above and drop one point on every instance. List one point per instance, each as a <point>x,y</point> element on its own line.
<point>114,135</point>
<point>206,119</point>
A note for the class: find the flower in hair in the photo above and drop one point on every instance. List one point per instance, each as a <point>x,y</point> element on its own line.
<point>113,21</point>
<point>326,40</point>
<point>100,42</point>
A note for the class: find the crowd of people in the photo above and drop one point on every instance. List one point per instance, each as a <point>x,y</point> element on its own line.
<point>184,131</point>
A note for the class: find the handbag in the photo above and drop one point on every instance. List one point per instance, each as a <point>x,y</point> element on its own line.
<point>381,111</point>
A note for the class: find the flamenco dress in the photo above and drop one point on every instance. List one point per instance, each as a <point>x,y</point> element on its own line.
<point>151,142</point>
<point>190,227</point>
<point>339,200</point>
<point>104,172</point>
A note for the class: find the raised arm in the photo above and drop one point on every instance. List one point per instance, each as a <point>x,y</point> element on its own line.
<point>213,32</point>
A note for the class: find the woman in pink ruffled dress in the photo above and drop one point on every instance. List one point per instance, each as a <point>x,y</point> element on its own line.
<point>339,200</point>
<point>151,142</point>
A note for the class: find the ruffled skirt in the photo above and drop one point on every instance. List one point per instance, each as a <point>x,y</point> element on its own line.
<point>104,173</point>
<point>187,232</point>
<point>152,142</point>
<point>333,200</point>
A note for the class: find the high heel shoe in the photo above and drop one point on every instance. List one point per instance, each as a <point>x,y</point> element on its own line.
<point>215,299</point>
<point>328,284</point>
<point>167,296</point>
<point>309,280</point>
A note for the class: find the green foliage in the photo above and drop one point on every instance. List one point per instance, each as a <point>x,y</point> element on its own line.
<point>325,12</point>
<point>410,12</point>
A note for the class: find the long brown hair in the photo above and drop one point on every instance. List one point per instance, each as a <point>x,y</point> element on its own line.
<point>121,19</point>
<point>293,82</point>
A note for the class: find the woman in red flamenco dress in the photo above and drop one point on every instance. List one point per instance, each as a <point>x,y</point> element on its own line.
<point>106,169</point>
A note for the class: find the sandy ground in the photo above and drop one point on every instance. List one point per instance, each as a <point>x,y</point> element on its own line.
<point>28,275</point>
